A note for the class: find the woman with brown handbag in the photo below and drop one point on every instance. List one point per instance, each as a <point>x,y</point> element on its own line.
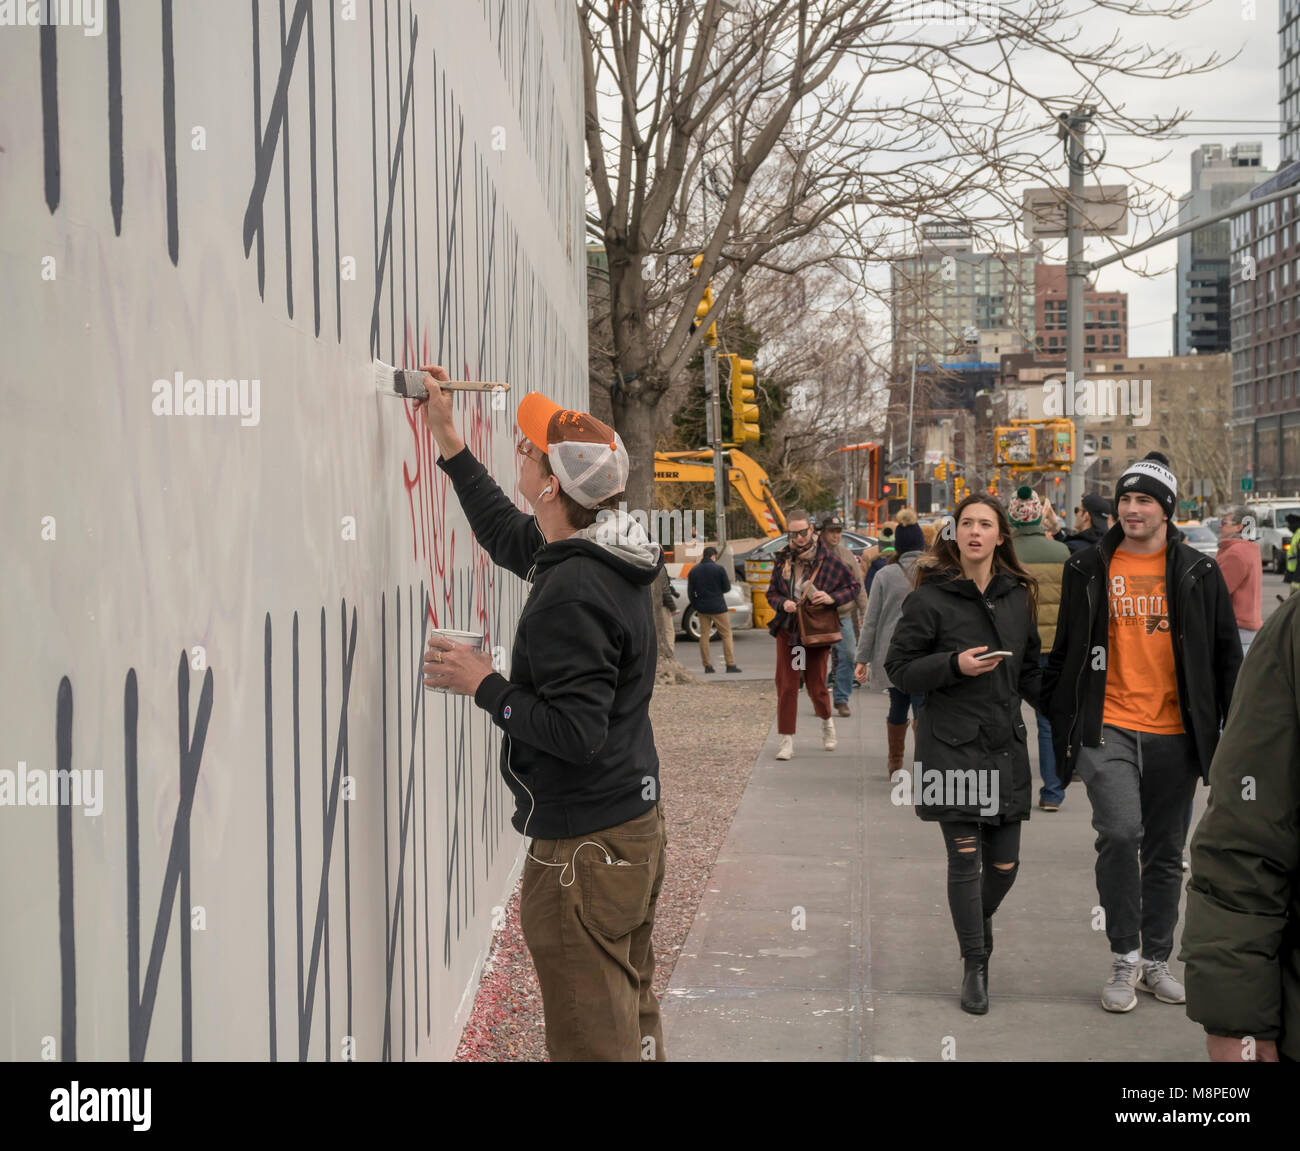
<point>809,582</point>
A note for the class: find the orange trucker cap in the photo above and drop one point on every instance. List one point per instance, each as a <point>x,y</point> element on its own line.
<point>586,454</point>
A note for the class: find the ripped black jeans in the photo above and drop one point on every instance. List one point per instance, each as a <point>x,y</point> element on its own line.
<point>976,884</point>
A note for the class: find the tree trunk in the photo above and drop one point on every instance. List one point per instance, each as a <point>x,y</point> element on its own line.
<point>635,421</point>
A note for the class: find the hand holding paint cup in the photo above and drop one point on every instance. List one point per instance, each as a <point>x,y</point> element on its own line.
<point>456,661</point>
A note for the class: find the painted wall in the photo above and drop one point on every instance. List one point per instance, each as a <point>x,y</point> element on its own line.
<point>223,614</point>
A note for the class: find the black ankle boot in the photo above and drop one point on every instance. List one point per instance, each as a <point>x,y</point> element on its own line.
<point>975,987</point>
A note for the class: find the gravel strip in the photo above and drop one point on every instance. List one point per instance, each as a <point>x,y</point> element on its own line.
<point>708,737</point>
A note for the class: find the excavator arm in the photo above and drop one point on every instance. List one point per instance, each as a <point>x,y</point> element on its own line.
<point>747,479</point>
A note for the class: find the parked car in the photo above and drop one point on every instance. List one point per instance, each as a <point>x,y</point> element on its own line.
<point>858,543</point>
<point>739,607</point>
<point>1271,531</point>
<point>1201,538</point>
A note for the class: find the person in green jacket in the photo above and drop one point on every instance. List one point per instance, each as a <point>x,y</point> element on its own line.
<point>1241,947</point>
<point>1043,557</point>
<point>1292,553</point>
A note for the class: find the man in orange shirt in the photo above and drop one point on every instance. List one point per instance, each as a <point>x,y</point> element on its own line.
<point>1137,688</point>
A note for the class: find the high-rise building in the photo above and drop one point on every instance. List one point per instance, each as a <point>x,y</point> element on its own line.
<point>1218,178</point>
<point>1289,80</point>
<point>1265,300</point>
<point>1105,317</point>
<point>947,293</point>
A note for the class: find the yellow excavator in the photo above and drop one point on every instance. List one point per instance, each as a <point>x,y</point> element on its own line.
<point>746,478</point>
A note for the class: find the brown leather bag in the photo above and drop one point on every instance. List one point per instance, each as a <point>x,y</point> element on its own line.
<point>819,623</point>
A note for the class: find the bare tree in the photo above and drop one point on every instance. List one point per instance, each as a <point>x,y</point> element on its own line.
<point>736,129</point>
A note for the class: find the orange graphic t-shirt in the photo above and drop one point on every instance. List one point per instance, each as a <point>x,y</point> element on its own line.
<point>1141,688</point>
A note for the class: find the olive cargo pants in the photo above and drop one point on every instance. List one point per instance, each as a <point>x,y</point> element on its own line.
<point>588,926</point>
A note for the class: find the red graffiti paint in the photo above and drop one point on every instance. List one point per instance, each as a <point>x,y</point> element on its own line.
<point>433,541</point>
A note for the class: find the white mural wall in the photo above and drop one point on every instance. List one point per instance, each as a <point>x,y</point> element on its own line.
<point>221,549</point>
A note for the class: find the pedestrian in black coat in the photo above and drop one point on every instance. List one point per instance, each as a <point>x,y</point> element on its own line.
<point>972,772</point>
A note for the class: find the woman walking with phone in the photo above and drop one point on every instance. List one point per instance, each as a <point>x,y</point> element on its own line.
<point>968,641</point>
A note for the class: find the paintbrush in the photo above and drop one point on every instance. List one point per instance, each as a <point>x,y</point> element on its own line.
<point>409,385</point>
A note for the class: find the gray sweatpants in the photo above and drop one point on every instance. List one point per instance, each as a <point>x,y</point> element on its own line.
<point>1141,788</point>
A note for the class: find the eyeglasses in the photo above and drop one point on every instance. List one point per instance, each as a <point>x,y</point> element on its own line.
<point>801,533</point>
<point>526,447</point>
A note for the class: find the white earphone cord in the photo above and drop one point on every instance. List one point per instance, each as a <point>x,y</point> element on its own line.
<point>566,864</point>
<point>532,800</point>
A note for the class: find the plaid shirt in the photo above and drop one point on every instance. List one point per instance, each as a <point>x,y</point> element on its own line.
<point>835,578</point>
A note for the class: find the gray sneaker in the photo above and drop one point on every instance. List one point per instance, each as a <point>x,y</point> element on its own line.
<point>1157,980</point>
<point>1118,994</point>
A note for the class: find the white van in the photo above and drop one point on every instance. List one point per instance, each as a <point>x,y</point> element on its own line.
<point>1272,534</point>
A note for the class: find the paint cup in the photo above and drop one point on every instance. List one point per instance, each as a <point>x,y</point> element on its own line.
<point>472,639</point>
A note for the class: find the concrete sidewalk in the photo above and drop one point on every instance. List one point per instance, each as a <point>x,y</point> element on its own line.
<point>875,973</point>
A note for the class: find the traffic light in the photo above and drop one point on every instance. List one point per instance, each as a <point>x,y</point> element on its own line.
<point>941,470</point>
<point>703,308</point>
<point>744,401</point>
<point>899,484</point>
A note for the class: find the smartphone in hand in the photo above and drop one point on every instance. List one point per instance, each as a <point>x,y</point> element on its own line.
<point>993,655</point>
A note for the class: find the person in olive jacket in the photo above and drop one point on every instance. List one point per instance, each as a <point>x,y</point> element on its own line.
<point>1241,946</point>
<point>1043,557</point>
<point>972,773</point>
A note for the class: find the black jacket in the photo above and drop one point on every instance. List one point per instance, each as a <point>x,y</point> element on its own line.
<point>1202,627</point>
<point>706,584</point>
<point>969,723</point>
<point>579,751</point>
<point>1080,540</point>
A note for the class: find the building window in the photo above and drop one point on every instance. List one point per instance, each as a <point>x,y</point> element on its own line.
<point>1105,443</point>
<point>1131,442</point>
<point>1105,463</point>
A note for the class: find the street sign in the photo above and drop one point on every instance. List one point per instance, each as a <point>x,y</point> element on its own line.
<point>1104,209</point>
<point>1247,483</point>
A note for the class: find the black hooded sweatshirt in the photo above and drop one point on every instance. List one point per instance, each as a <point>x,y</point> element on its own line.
<point>579,753</point>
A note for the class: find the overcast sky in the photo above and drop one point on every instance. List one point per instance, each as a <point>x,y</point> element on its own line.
<point>1243,91</point>
<point>1236,103</point>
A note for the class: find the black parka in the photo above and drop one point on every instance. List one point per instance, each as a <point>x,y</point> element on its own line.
<point>1202,627</point>
<point>969,723</point>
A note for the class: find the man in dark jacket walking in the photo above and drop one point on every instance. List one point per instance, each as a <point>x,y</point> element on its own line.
<point>1241,944</point>
<point>1136,687</point>
<point>1090,523</point>
<point>707,584</point>
<point>578,751</point>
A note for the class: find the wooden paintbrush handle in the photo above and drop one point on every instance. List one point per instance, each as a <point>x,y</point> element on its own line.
<point>410,383</point>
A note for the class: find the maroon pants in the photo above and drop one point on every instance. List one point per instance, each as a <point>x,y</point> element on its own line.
<point>792,661</point>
